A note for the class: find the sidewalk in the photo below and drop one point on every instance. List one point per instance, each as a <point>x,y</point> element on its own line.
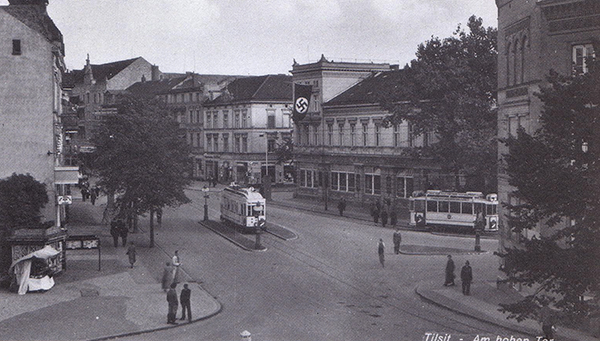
<point>89,304</point>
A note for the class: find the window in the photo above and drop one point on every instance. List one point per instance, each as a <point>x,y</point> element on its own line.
<point>198,117</point>
<point>514,122</point>
<point>330,134</point>
<point>342,181</point>
<point>198,139</point>
<point>191,116</point>
<point>208,119</point>
<point>352,133</point>
<point>316,135</point>
<point>581,54</point>
<point>225,142</point>
<point>307,135</point>
<point>404,187</point>
<point>396,135</point>
<point>372,184</point>
<point>216,143</point>
<point>16,47</point>
<point>377,134</point>
<point>431,206</point>
<point>444,206</point>
<point>270,119</point>
<point>209,142</point>
<point>225,119</point>
<point>467,208</point>
<point>341,134</point>
<point>238,143</point>
<point>236,119</point>
<point>299,134</point>
<point>245,118</point>
<point>244,143</point>
<point>454,207</point>
<point>308,178</point>
<point>365,133</point>
<point>215,119</point>
<point>271,145</point>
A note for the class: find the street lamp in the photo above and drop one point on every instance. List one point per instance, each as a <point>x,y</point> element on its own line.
<point>206,196</point>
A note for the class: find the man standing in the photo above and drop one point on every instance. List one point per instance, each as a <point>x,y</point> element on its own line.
<point>123,231</point>
<point>176,261</point>
<point>449,272</point>
<point>173,304</point>
<point>381,251</point>
<point>114,232</point>
<point>342,206</point>
<point>397,241</point>
<point>184,298</point>
<point>466,276</point>
<point>131,254</point>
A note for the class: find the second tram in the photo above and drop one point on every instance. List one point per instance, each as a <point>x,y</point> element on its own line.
<point>470,210</point>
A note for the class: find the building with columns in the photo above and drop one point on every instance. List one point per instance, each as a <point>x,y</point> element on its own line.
<point>344,148</point>
<point>243,127</point>
<point>535,37</point>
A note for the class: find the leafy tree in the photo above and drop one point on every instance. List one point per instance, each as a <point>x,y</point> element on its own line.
<point>285,151</point>
<point>21,200</point>
<point>141,155</point>
<point>557,178</point>
<point>451,87</point>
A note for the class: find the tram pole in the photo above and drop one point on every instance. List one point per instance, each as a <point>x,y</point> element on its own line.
<point>206,196</point>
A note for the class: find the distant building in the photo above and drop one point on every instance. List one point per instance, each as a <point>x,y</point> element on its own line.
<point>88,88</point>
<point>243,127</point>
<point>185,94</point>
<point>343,148</point>
<point>31,100</point>
<point>535,37</point>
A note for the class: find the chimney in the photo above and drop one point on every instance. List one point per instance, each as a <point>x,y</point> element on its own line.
<point>156,74</point>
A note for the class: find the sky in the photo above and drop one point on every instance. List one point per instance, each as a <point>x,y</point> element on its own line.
<point>248,37</point>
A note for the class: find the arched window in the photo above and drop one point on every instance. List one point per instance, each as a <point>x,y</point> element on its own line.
<point>509,64</point>
<point>517,61</point>
<point>523,46</point>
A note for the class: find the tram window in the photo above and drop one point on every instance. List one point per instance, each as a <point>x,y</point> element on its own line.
<point>444,206</point>
<point>491,209</point>
<point>431,206</point>
<point>419,206</point>
<point>479,208</point>
<point>454,207</point>
<point>467,208</point>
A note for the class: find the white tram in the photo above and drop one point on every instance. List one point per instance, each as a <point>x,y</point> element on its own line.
<point>243,206</point>
<point>441,208</point>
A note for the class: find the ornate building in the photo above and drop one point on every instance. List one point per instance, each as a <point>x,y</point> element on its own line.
<point>535,37</point>
<point>343,148</point>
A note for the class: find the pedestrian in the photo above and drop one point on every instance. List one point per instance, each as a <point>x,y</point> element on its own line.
<point>393,216</point>
<point>381,251</point>
<point>547,320</point>
<point>466,276</point>
<point>167,276</point>
<point>184,298</point>
<point>123,231</point>
<point>131,254</point>
<point>342,206</point>
<point>384,217</point>
<point>114,231</point>
<point>173,304</point>
<point>449,272</point>
<point>176,261</point>
<point>84,192</point>
<point>397,241</point>
<point>93,197</point>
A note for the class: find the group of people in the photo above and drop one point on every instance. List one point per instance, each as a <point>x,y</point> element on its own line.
<point>88,192</point>
<point>397,239</point>
<point>466,275</point>
<point>118,228</point>
<point>383,212</point>
<point>172,275</point>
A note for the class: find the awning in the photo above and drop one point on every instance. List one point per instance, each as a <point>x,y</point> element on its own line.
<point>66,175</point>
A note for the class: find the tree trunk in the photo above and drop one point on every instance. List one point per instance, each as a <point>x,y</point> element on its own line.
<point>151,228</point>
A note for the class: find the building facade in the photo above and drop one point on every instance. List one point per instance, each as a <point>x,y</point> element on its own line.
<point>344,148</point>
<point>535,37</point>
<point>243,127</point>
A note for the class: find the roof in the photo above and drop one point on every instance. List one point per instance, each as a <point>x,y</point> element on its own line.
<point>150,89</point>
<point>392,85</point>
<point>104,71</point>
<point>257,88</point>
<point>36,18</point>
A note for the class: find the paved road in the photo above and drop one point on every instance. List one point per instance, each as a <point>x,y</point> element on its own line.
<point>325,285</point>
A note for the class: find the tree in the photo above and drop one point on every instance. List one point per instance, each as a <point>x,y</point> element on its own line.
<point>451,88</point>
<point>21,200</point>
<point>141,155</point>
<point>285,151</point>
<point>556,176</point>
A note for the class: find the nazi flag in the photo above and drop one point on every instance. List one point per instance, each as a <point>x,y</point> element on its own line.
<point>302,94</point>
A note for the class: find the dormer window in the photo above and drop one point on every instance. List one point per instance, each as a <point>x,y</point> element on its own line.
<point>16,50</point>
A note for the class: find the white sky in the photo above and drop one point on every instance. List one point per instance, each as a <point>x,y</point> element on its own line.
<point>255,37</point>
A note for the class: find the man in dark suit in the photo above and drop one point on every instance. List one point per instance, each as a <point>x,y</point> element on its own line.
<point>466,276</point>
<point>184,298</point>
<point>173,304</point>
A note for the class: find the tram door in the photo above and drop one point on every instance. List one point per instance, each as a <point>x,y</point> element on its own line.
<point>419,213</point>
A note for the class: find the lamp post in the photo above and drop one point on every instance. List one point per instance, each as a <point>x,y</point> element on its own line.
<point>206,196</point>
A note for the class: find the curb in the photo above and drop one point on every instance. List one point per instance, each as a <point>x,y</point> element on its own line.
<point>233,241</point>
<point>509,326</point>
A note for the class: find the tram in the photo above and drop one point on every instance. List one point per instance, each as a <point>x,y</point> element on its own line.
<point>466,211</point>
<point>244,207</point>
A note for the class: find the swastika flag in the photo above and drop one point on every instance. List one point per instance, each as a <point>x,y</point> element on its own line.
<point>302,94</point>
